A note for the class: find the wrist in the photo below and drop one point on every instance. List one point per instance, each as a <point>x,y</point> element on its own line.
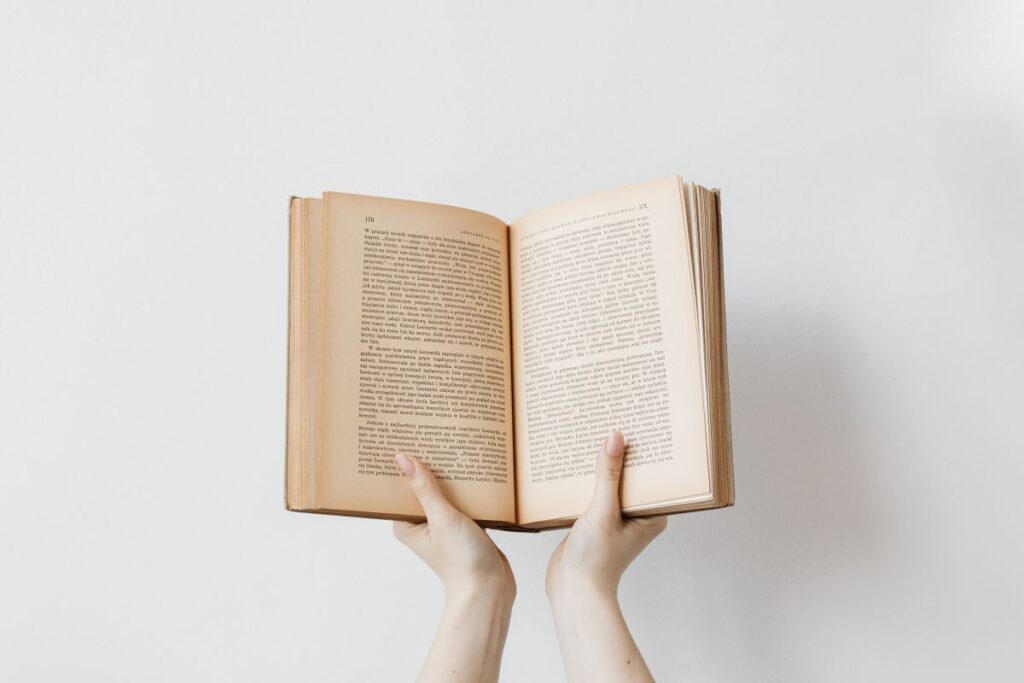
<point>563,580</point>
<point>493,593</point>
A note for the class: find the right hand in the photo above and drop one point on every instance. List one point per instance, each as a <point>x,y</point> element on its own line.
<point>602,544</point>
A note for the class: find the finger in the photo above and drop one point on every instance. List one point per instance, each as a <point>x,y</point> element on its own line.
<point>435,506</point>
<point>607,474</point>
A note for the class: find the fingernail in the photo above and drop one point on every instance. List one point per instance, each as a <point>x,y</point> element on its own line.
<point>613,447</point>
<point>404,464</point>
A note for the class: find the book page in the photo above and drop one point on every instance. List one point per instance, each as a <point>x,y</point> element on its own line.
<point>304,347</point>
<point>605,337</point>
<point>416,356</point>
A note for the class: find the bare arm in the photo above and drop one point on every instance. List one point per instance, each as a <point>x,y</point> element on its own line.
<point>583,579</point>
<point>479,588</point>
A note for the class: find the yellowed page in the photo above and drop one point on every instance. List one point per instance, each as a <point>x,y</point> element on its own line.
<point>312,360</point>
<point>416,356</point>
<point>605,337</point>
<point>303,350</point>
<point>296,338</point>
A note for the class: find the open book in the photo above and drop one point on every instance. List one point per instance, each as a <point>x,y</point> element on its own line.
<point>501,354</point>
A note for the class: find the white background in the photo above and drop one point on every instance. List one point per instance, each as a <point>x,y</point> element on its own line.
<point>871,156</point>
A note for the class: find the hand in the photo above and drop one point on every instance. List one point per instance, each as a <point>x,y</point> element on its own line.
<point>602,544</point>
<point>478,584</point>
<point>461,553</point>
<point>583,581</point>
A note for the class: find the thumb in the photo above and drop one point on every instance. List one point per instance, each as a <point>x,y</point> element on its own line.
<point>607,474</point>
<point>424,485</point>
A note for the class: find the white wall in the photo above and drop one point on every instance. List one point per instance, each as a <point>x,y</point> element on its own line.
<point>871,156</point>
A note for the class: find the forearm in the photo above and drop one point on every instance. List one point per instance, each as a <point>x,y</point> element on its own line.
<point>471,637</point>
<point>595,641</point>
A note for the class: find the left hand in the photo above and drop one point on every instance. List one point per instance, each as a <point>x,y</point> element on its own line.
<point>461,553</point>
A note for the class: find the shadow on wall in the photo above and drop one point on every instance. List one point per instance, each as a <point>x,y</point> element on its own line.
<point>803,525</point>
<point>800,430</point>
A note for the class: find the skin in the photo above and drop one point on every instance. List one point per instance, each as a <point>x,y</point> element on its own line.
<point>582,582</point>
<point>479,588</point>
